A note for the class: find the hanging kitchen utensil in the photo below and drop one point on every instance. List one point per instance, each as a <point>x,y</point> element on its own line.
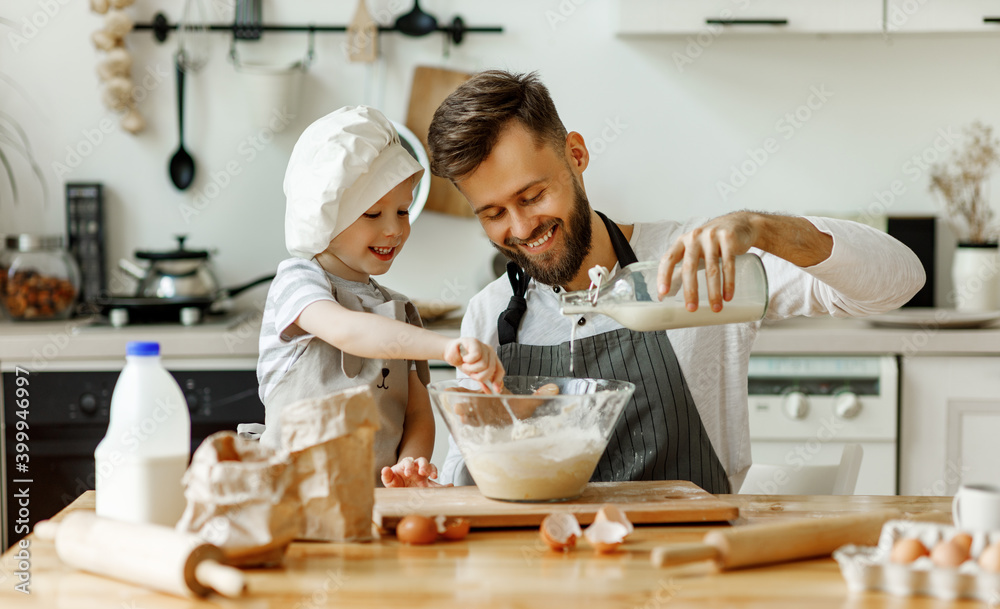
<point>430,87</point>
<point>273,89</point>
<point>416,22</point>
<point>362,35</point>
<point>192,36</point>
<point>181,164</point>
<point>247,21</point>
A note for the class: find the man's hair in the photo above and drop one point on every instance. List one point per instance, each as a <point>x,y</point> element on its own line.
<point>467,125</point>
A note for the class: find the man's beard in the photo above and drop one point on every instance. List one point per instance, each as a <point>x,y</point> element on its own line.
<point>557,266</point>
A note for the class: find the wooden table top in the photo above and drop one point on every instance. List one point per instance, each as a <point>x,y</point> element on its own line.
<point>499,568</point>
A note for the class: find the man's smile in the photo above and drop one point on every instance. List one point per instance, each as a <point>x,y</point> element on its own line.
<point>536,245</point>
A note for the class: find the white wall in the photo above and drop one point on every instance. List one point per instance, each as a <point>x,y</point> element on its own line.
<point>679,132</point>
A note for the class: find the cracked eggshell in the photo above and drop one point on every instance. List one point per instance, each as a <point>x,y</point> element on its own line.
<point>560,531</point>
<point>605,535</point>
<point>452,529</point>
<point>99,6</point>
<point>611,513</point>
<point>122,3</point>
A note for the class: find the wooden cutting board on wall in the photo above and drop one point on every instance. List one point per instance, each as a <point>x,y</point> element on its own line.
<point>662,501</point>
<point>430,87</point>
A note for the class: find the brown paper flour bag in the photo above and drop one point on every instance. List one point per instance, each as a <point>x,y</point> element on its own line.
<point>241,497</point>
<point>331,442</point>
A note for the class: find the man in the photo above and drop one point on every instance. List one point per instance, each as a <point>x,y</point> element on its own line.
<point>499,139</point>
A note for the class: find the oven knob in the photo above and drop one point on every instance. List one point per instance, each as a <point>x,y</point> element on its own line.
<point>846,405</point>
<point>88,404</point>
<point>192,401</point>
<point>796,405</point>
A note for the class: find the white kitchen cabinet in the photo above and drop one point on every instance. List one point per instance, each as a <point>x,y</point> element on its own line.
<point>916,16</point>
<point>949,423</point>
<point>711,18</point>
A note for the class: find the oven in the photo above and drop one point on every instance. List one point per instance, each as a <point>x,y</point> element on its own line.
<point>804,409</point>
<point>67,415</point>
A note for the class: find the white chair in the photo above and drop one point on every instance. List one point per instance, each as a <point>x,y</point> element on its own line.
<point>838,479</point>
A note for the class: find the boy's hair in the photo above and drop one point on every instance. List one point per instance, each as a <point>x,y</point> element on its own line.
<point>467,125</point>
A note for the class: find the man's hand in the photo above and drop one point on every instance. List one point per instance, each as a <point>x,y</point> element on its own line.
<point>719,240</point>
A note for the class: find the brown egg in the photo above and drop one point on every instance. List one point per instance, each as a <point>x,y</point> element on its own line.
<point>452,529</point>
<point>964,540</point>
<point>560,531</point>
<point>990,558</point>
<point>547,389</point>
<point>948,554</point>
<point>416,530</point>
<point>905,551</point>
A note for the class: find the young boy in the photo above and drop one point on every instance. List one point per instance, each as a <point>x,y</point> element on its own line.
<point>327,324</point>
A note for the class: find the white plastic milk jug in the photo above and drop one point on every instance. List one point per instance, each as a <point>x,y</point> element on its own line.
<point>142,458</point>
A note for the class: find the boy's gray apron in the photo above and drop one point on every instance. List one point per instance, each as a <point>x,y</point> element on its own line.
<point>323,369</point>
<point>660,435</point>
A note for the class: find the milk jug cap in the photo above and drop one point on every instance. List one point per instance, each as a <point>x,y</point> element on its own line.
<point>138,347</point>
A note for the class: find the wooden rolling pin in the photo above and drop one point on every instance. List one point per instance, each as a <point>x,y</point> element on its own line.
<point>779,542</point>
<point>148,555</point>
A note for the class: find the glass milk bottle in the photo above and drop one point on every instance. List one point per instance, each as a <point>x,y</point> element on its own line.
<point>142,458</point>
<point>630,298</point>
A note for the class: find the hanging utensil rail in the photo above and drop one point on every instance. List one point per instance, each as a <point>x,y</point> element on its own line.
<point>161,28</point>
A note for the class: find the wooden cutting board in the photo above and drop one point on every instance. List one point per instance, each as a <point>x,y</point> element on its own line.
<point>662,501</point>
<point>430,87</point>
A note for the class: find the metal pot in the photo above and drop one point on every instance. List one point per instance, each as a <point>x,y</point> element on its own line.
<point>178,273</point>
<point>181,273</point>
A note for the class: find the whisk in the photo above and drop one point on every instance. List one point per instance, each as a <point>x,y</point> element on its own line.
<point>192,36</point>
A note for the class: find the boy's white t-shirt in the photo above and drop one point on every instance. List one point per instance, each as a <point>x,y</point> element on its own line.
<point>297,284</point>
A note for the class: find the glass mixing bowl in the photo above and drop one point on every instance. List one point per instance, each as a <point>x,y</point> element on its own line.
<point>532,444</point>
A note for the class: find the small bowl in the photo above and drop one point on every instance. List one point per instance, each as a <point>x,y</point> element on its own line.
<point>549,453</point>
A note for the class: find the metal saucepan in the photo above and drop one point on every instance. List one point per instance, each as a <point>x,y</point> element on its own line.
<point>174,285</point>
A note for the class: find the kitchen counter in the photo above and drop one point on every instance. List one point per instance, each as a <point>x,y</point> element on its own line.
<point>827,335</point>
<point>36,343</point>
<point>237,336</point>
<point>502,568</point>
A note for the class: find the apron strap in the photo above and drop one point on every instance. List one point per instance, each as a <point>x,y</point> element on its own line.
<point>510,320</point>
<point>623,251</point>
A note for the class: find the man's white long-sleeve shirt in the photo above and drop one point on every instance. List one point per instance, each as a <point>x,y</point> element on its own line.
<point>868,272</point>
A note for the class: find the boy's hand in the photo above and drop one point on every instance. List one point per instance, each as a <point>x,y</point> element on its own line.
<point>477,360</point>
<point>410,472</point>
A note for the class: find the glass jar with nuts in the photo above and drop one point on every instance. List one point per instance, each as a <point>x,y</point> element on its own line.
<point>40,280</point>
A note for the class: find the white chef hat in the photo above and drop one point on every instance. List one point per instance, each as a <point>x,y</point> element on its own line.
<point>341,165</point>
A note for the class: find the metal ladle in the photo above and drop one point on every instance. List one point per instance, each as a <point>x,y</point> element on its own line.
<point>181,164</point>
<point>416,22</point>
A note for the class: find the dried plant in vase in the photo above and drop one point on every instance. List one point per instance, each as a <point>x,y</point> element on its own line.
<point>963,185</point>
